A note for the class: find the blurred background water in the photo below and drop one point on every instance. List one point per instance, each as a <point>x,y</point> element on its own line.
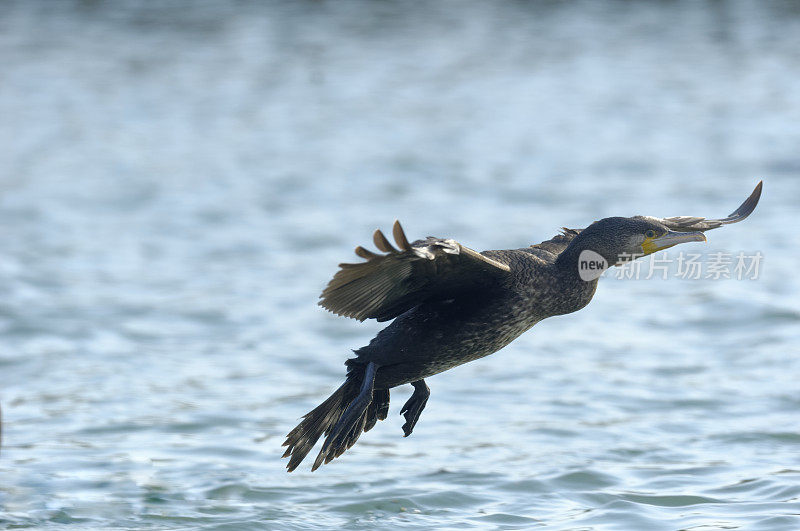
<point>180,179</point>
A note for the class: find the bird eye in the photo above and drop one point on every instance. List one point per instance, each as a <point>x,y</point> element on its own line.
<point>650,234</point>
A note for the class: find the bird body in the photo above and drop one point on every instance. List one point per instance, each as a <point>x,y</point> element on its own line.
<point>439,335</point>
<point>450,305</point>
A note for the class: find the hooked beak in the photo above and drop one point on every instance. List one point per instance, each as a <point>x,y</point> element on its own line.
<point>651,245</point>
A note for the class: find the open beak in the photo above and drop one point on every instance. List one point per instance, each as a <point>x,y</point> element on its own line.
<point>651,245</point>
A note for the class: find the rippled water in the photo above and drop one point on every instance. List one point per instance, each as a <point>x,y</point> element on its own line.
<point>179,183</point>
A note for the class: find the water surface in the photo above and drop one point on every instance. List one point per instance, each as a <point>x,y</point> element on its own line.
<point>179,183</point>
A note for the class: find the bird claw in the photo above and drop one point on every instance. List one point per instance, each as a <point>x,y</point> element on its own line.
<point>412,410</point>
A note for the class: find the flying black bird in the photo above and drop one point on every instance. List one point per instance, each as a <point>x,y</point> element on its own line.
<point>452,305</point>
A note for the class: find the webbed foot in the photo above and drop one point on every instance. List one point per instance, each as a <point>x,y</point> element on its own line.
<point>414,406</point>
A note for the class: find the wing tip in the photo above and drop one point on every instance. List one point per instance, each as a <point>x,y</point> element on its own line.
<point>325,303</point>
<point>382,243</point>
<point>365,253</point>
<point>400,236</point>
<point>749,204</point>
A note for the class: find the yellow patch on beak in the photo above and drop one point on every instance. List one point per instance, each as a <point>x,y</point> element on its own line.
<point>651,245</point>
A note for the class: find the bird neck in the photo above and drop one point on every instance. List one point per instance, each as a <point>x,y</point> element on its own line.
<point>580,261</point>
<point>576,292</point>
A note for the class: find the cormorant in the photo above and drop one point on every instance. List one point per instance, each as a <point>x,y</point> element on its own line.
<point>452,305</point>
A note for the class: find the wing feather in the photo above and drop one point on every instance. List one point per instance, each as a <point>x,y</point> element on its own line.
<point>386,285</point>
<point>693,223</point>
<point>556,245</point>
<point>400,236</point>
<point>382,243</point>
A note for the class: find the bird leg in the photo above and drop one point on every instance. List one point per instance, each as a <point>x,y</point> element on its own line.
<point>414,406</point>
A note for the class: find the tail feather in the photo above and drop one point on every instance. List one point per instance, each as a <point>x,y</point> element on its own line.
<point>319,420</point>
<point>333,449</point>
<point>322,419</point>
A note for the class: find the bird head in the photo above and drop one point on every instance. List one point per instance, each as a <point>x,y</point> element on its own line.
<point>619,240</point>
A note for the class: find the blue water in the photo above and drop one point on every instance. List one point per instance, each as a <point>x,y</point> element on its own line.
<point>180,181</point>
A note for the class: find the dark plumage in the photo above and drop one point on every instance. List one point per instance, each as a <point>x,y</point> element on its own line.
<point>452,305</point>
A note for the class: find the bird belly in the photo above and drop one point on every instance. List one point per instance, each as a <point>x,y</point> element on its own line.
<point>418,346</point>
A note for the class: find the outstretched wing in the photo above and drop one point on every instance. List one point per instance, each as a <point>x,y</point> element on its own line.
<point>691,224</point>
<point>387,285</point>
